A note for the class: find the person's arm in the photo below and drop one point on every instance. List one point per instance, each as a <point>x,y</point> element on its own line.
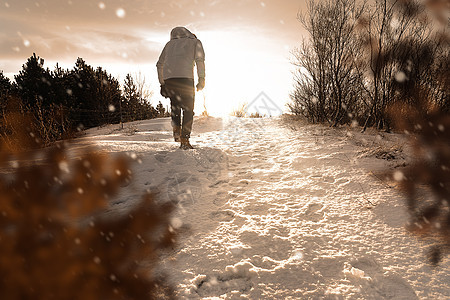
<point>200,62</point>
<point>160,66</point>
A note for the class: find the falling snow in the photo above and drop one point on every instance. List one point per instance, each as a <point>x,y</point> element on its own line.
<point>120,12</point>
<point>398,176</point>
<point>400,76</point>
<point>64,166</point>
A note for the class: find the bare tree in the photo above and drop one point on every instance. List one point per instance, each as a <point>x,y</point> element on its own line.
<point>326,78</point>
<point>389,26</point>
<point>359,60</point>
<point>341,17</point>
<point>143,89</point>
<point>310,87</point>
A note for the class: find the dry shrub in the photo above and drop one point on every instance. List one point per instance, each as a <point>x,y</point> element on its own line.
<point>256,115</point>
<point>430,136</point>
<point>57,241</point>
<point>17,133</point>
<point>50,124</point>
<point>389,153</point>
<point>25,128</point>
<point>240,111</point>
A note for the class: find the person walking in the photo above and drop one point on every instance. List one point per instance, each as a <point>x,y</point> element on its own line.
<point>176,76</point>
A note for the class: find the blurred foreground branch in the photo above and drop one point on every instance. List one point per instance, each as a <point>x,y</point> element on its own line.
<point>430,217</point>
<point>56,241</point>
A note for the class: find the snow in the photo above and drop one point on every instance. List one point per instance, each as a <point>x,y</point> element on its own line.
<point>276,209</point>
<point>120,12</point>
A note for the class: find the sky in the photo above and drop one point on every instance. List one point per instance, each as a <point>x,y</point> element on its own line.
<point>247,43</point>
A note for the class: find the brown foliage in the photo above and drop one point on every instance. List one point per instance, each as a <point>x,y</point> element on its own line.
<point>57,241</point>
<point>430,218</point>
<point>25,128</point>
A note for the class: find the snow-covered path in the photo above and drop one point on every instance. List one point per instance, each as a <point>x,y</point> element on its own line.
<point>267,212</point>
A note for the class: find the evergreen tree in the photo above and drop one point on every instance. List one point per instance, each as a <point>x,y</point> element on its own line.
<point>82,87</point>
<point>5,90</point>
<point>5,84</point>
<point>149,111</point>
<point>63,100</point>
<point>34,84</point>
<point>108,95</point>
<point>131,99</point>
<point>61,86</point>
<point>161,110</point>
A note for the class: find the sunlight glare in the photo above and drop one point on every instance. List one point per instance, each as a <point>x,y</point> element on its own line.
<point>239,66</point>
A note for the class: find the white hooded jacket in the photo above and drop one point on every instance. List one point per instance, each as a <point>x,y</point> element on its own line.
<point>180,55</point>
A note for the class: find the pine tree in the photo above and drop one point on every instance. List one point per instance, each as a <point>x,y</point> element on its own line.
<point>161,110</point>
<point>82,86</point>
<point>5,90</point>
<point>131,99</point>
<point>34,84</point>
<point>5,84</point>
<point>108,95</point>
<point>60,85</point>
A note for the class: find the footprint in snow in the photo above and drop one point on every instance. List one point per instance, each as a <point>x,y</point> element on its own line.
<point>219,183</point>
<point>329,267</point>
<point>314,212</point>
<point>265,247</point>
<point>329,179</point>
<point>183,188</point>
<point>243,182</point>
<point>162,157</point>
<point>223,215</point>
<point>375,282</point>
<point>237,277</point>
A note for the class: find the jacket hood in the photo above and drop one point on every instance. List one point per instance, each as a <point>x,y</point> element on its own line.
<point>181,32</point>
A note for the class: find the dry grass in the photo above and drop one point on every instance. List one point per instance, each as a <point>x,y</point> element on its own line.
<point>240,111</point>
<point>392,152</point>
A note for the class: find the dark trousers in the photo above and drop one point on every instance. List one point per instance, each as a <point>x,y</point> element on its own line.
<point>182,96</point>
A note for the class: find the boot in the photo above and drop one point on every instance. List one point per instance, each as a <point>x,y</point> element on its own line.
<point>185,145</point>
<point>177,133</point>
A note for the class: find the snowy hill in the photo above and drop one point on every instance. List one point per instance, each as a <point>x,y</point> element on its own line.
<point>270,209</point>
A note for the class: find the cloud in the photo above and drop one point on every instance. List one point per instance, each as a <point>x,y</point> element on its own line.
<point>64,30</point>
<point>128,47</point>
